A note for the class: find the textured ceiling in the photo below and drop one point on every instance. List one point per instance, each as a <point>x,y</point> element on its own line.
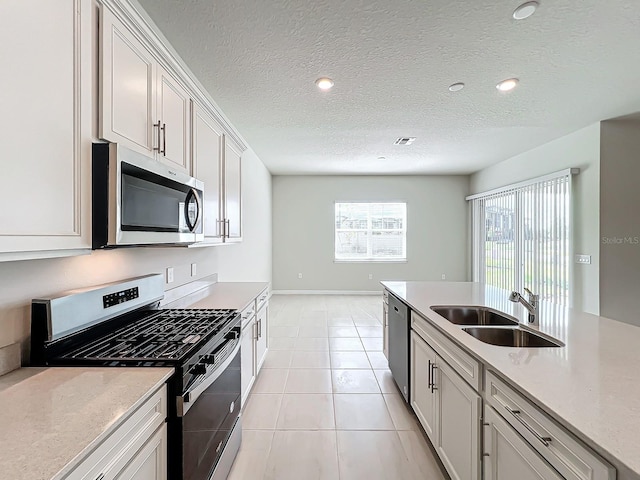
<point>578,62</point>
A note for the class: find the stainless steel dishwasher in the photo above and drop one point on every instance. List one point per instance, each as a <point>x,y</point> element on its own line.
<point>399,344</point>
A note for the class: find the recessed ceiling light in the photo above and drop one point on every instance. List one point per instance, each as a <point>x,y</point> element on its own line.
<point>382,158</point>
<point>525,10</point>
<point>506,85</point>
<point>324,83</point>
<point>456,87</point>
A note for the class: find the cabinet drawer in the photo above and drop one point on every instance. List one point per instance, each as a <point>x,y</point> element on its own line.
<point>120,446</point>
<point>562,450</point>
<point>248,313</point>
<point>464,364</point>
<point>262,299</point>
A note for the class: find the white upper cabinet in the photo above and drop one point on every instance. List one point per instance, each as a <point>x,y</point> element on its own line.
<point>45,128</point>
<point>174,110</point>
<point>217,162</point>
<point>127,93</point>
<point>207,166</point>
<point>233,190</point>
<point>142,105</point>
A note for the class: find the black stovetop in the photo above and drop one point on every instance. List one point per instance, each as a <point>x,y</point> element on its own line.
<point>166,335</point>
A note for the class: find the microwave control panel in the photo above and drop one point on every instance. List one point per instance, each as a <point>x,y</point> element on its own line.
<point>120,297</point>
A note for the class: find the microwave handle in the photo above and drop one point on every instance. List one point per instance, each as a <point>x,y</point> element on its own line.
<point>192,193</point>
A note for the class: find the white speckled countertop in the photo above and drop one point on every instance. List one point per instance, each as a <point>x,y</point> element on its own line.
<point>51,417</point>
<point>592,385</point>
<point>231,295</point>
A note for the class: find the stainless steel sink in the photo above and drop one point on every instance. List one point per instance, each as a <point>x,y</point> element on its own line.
<point>511,337</point>
<point>464,315</point>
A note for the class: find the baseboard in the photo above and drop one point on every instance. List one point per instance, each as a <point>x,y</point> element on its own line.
<point>326,292</point>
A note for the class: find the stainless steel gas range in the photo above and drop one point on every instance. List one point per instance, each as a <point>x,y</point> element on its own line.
<point>119,324</point>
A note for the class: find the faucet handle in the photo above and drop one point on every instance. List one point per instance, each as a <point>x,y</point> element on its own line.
<point>532,296</point>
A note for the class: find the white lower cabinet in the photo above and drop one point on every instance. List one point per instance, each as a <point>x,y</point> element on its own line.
<point>448,409</point>
<point>255,334</point>
<point>136,450</point>
<point>508,455</point>
<point>423,399</point>
<point>247,358</point>
<point>149,463</point>
<point>261,336</point>
<point>457,423</point>
<point>385,324</point>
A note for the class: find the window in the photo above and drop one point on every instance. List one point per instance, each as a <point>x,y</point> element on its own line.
<point>521,236</point>
<point>371,232</point>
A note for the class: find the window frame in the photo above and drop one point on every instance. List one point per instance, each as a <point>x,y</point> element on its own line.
<point>369,230</point>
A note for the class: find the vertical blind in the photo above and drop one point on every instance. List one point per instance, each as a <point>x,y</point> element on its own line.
<point>522,237</point>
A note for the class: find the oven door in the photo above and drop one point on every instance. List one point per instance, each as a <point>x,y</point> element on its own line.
<point>210,423</point>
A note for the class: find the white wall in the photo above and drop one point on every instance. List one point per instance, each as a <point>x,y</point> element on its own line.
<point>620,220</point>
<point>303,230</point>
<point>580,149</point>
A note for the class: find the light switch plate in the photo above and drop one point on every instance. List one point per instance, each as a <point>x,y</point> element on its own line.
<point>583,259</point>
<point>194,270</point>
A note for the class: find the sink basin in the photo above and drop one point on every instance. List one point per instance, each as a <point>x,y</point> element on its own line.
<point>511,337</point>
<point>462,315</point>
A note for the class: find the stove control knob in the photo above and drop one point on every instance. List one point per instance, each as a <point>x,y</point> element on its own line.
<point>208,359</point>
<point>199,369</point>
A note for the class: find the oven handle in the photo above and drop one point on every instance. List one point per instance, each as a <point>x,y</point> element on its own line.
<point>186,401</point>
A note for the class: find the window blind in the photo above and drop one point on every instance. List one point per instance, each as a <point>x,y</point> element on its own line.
<point>522,236</point>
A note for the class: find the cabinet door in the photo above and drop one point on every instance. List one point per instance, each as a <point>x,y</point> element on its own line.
<point>262,335</point>
<point>207,166</point>
<point>508,455</point>
<point>385,329</point>
<point>458,424</point>
<point>45,127</point>
<point>174,108</point>
<point>423,400</point>
<point>233,190</point>
<point>127,87</point>
<point>150,463</point>
<point>247,359</point>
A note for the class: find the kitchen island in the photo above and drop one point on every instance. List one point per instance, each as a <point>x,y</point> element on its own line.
<point>590,386</point>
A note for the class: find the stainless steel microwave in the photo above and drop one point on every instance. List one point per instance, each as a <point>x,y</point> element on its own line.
<point>137,200</point>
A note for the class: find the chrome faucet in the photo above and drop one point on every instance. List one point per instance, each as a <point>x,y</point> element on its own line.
<point>532,305</point>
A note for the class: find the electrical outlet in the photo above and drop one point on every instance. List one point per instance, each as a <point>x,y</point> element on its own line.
<point>299,275</point>
<point>444,277</point>
<point>371,276</point>
<point>583,259</point>
<point>169,274</point>
<point>193,270</point>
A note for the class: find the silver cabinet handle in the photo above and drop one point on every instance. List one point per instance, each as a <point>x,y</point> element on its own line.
<point>228,229</point>
<point>429,376</point>
<point>433,377</point>
<point>157,149</point>
<point>164,139</point>
<point>260,328</point>
<point>544,440</point>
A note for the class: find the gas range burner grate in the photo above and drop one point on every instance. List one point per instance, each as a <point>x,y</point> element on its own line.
<point>166,335</point>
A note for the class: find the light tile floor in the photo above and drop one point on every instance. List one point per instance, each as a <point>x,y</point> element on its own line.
<point>325,406</point>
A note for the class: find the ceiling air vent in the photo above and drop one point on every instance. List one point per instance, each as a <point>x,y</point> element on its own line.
<point>404,141</point>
